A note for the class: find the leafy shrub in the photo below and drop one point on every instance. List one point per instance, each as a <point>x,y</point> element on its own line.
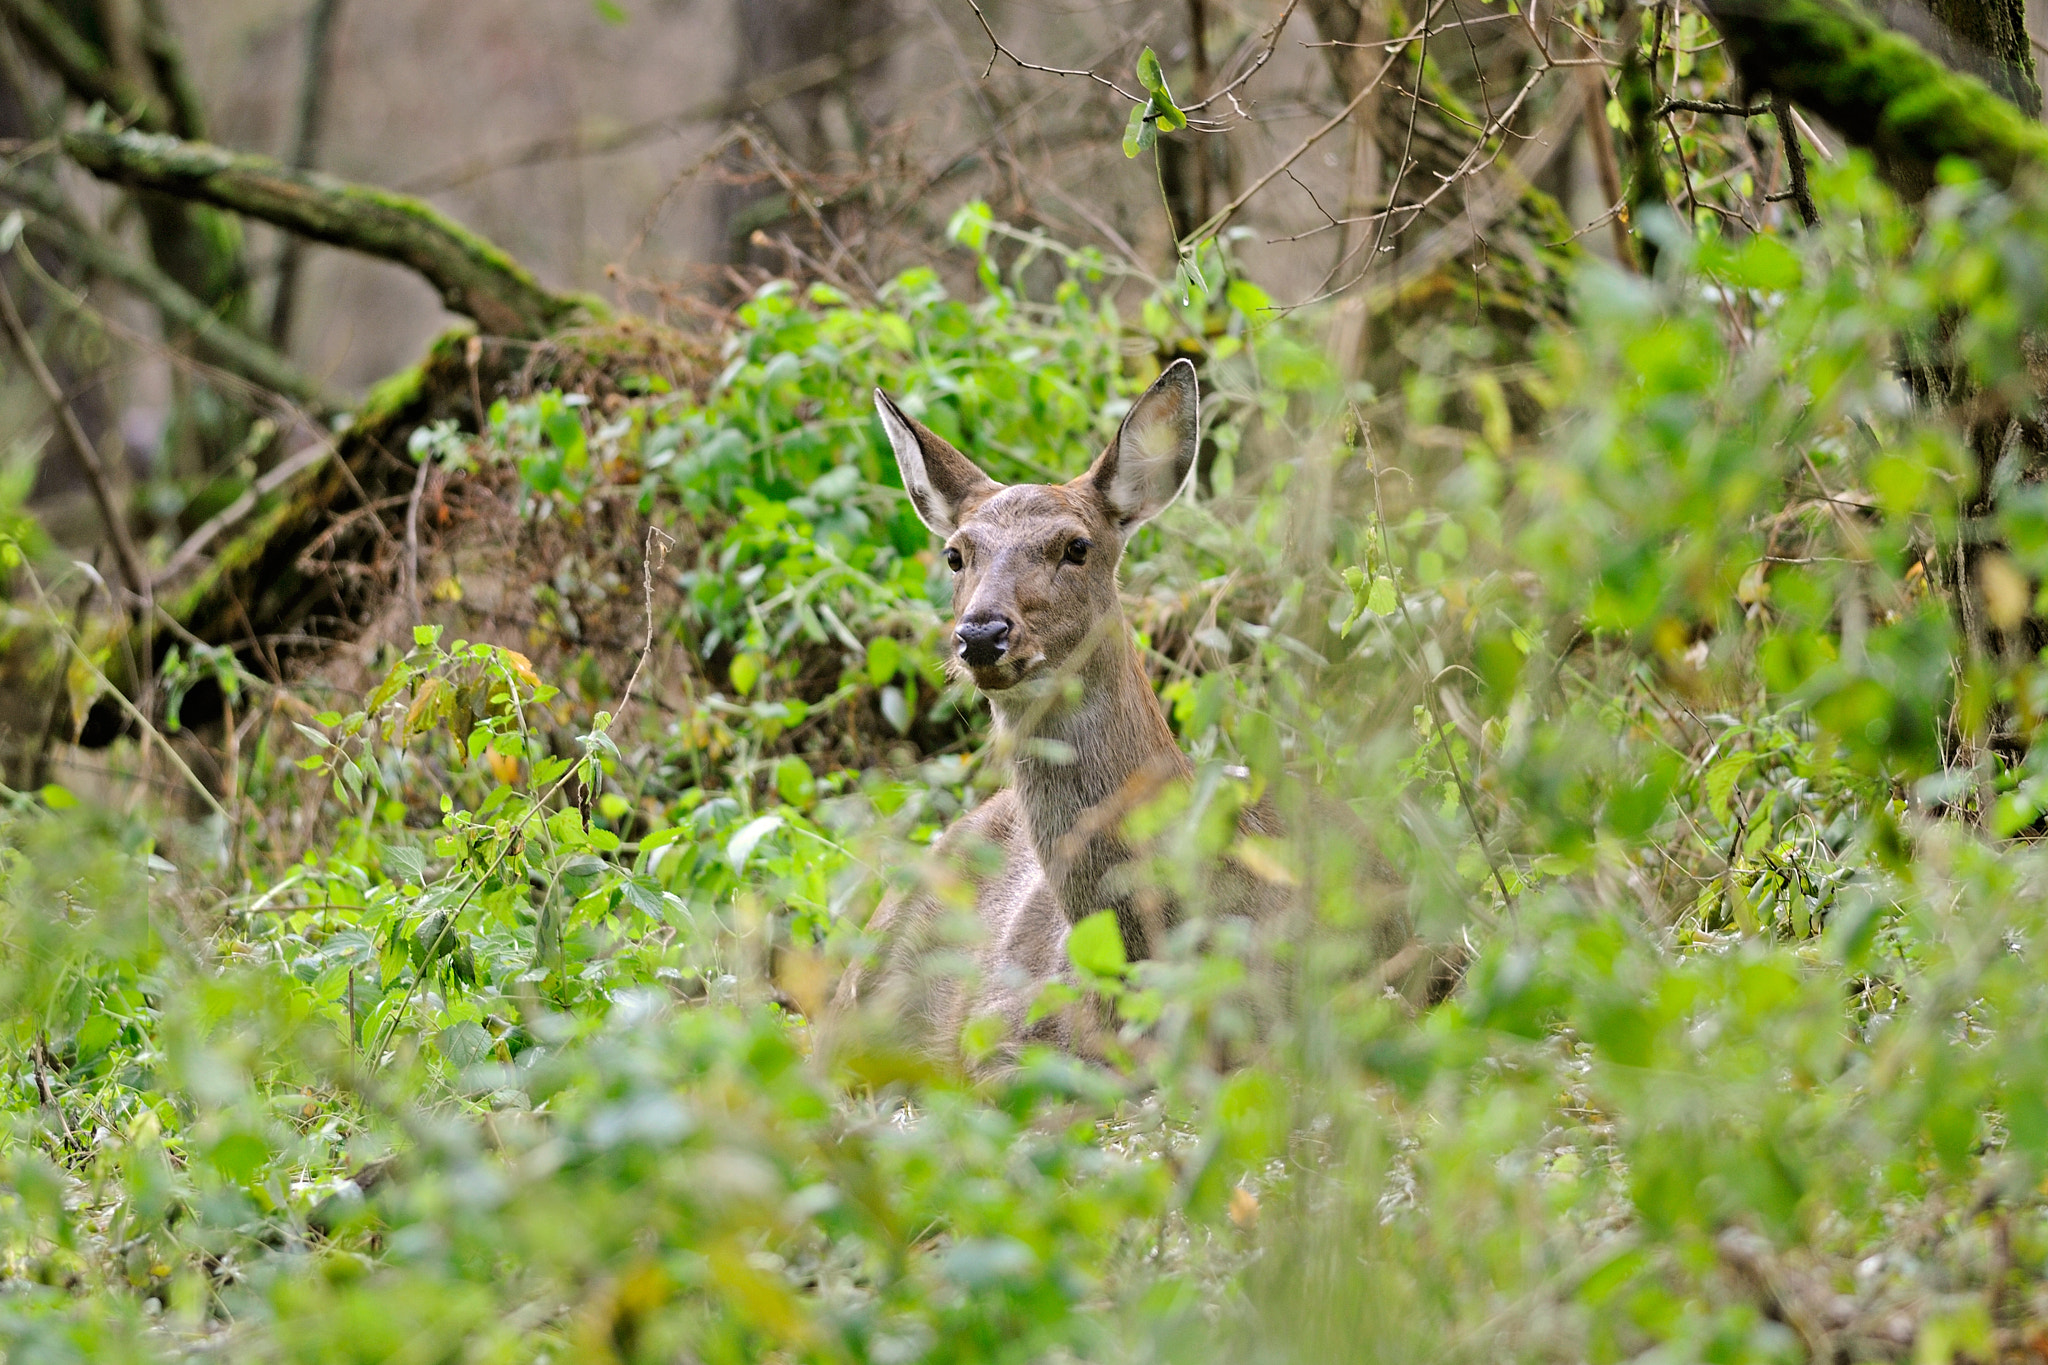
<point>1660,716</point>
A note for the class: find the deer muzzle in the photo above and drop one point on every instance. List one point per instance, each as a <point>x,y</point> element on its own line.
<point>983,641</point>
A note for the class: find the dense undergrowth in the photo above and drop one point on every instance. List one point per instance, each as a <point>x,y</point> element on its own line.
<point>485,1025</point>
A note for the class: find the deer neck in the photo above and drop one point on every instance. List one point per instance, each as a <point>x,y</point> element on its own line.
<point>1080,765</point>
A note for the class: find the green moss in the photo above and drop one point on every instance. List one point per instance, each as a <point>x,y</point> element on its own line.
<point>390,396</point>
<point>235,557</point>
<point>1882,90</point>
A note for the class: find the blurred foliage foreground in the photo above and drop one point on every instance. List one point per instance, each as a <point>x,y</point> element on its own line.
<point>1636,658</point>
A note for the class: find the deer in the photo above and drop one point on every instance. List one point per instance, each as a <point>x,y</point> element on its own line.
<point>1040,632</point>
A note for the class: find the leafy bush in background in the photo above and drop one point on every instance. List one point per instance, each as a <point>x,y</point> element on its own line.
<point>1649,713</point>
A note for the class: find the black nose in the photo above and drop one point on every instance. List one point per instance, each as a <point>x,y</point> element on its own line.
<point>983,641</point>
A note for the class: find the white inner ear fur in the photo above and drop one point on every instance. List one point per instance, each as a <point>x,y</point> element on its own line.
<point>934,511</point>
<point>1155,449</point>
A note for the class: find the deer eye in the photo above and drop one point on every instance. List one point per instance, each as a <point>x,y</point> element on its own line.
<point>1077,551</point>
<point>953,560</point>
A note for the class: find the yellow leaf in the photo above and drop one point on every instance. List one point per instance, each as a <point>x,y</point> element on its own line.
<point>419,710</point>
<point>504,767</point>
<point>1244,1208</point>
<point>82,686</point>
<point>2006,592</point>
<point>522,667</point>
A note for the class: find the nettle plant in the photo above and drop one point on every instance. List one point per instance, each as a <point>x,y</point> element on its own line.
<point>527,896</point>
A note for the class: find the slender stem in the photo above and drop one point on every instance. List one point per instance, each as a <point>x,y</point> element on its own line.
<point>149,731</point>
<point>1430,704</point>
<point>133,574</point>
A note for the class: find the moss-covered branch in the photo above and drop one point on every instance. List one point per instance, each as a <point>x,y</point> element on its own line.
<point>473,276</point>
<point>220,343</point>
<point>1882,90</point>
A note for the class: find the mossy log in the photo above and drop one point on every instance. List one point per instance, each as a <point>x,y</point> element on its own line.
<point>259,594</point>
<point>1880,89</point>
<point>474,277</point>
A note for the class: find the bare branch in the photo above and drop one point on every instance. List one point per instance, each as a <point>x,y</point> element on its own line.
<point>288,469</point>
<point>1795,164</point>
<point>1268,41</point>
<point>54,222</point>
<point>474,276</point>
<point>756,94</point>
<point>999,50</point>
<point>1677,106</point>
<point>132,572</point>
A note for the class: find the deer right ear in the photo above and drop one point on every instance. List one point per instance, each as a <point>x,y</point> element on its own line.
<point>942,483</point>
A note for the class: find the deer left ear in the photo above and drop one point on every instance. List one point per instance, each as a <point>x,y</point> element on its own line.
<point>1148,464</point>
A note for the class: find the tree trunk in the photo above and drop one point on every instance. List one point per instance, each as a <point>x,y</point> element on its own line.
<point>814,127</point>
<point>1879,88</point>
<point>1991,44</point>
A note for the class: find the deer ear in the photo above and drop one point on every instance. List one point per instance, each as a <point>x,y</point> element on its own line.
<point>941,482</point>
<point>1148,463</point>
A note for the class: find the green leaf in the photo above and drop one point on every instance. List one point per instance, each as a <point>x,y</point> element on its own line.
<point>1139,134</point>
<point>969,225</point>
<point>1382,600</point>
<point>611,11</point>
<point>1149,74</point>
<point>1721,779</point>
<point>1160,108</point>
<point>1765,263</point>
<point>744,672</point>
<point>238,1156</point>
<point>1252,1111</point>
<point>1247,298</point>
<point>885,656</point>
<point>1096,946</point>
<point>426,636</point>
<point>793,781</point>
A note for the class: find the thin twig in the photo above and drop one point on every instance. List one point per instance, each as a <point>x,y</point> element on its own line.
<point>999,50</point>
<point>807,205</point>
<point>149,731</point>
<point>133,574</point>
<point>288,469</point>
<point>1795,163</point>
<point>1269,40</point>
<point>1223,215</point>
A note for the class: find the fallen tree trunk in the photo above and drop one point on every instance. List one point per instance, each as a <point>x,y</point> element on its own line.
<point>1880,89</point>
<point>262,593</point>
<point>474,276</point>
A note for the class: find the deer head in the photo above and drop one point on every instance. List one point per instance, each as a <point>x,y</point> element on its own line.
<point>1035,564</point>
